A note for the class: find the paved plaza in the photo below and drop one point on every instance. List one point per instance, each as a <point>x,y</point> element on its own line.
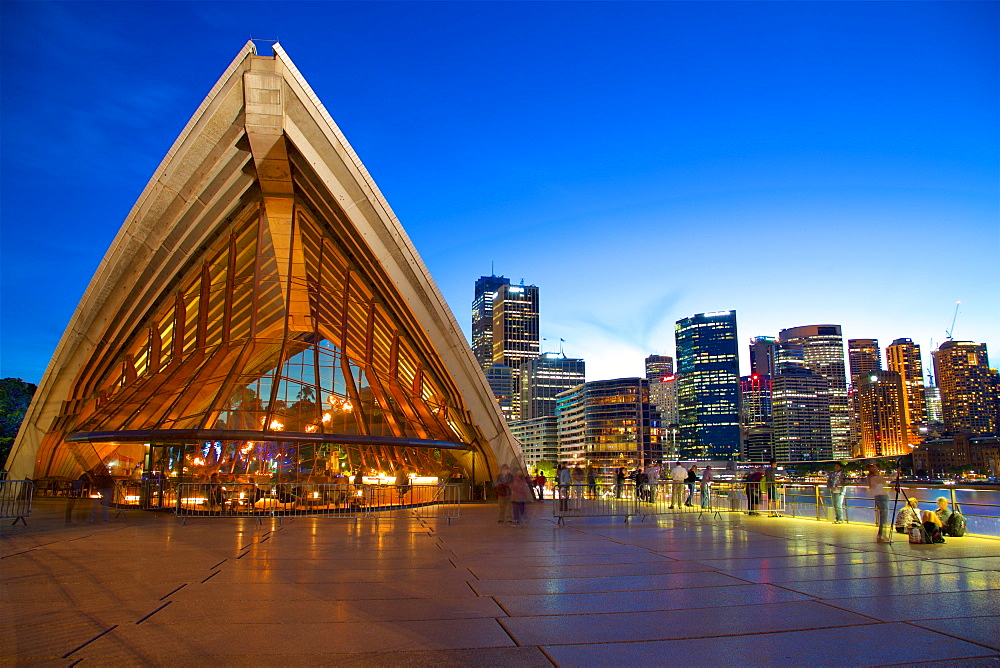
<point>734,590</point>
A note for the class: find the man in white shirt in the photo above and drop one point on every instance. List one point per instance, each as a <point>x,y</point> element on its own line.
<point>678,475</point>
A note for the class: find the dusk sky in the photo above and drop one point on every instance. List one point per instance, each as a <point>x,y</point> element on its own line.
<point>802,163</point>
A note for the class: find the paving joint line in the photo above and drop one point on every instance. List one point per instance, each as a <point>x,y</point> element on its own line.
<point>924,628</point>
<point>174,591</point>
<point>210,577</point>
<point>212,568</point>
<point>546,654</point>
<point>507,631</point>
<point>102,633</point>
<point>142,619</point>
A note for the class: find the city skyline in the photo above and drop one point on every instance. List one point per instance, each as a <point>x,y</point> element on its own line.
<point>767,142</point>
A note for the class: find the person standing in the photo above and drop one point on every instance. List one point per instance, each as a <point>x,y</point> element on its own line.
<point>706,487</point>
<point>653,481</point>
<point>771,488</point>
<point>692,480</point>
<point>678,476</point>
<point>876,487</point>
<point>752,483</point>
<point>619,483</point>
<point>540,484</point>
<point>835,483</point>
<point>503,488</point>
<point>563,482</point>
<point>591,482</point>
<point>102,481</point>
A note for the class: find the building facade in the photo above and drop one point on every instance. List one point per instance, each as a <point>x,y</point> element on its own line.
<point>539,438</point>
<point>756,417</point>
<point>708,391</point>
<point>967,397</point>
<point>658,366</point>
<point>545,376</point>
<point>515,332</point>
<point>823,351</point>
<point>800,403</point>
<point>863,358</point>
<point>944,456</point>
<point>763,356</point>
<point>903,357</point>
<point>502,383</point>
<point>880,398</point>
<point>618,425</point>
<point>482,317</point>
<point>663,395</point>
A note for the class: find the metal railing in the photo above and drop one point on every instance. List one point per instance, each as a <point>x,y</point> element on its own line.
<point>280,500</point>
<point>15,500</point>
<point>977,503</point>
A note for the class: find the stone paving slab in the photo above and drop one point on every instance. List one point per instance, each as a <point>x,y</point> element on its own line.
<point>147,590</point>
<point>867,645</point>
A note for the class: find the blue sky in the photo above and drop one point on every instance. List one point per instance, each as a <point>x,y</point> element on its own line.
<point>800,162</point>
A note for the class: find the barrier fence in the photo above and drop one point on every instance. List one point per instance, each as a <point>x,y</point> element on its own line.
<point>15,500</point>
<point>630,500</point>
<point>316,499</point>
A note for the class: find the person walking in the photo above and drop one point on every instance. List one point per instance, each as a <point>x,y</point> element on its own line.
<point>678,476</point>
<point>706,487</point>
<point>591,481</point>
<point>835,483</point>
<point>577,486</point>
<point>101,480</point>
<point>520,493</point>
<point>691,480</point>
<point>619,483</point>
<point>503,489</point>
<point>876,487</point>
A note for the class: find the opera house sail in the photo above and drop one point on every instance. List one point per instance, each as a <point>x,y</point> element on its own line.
<point>262,312</point>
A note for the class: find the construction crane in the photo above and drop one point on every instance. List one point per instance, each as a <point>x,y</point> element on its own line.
<point>949,331</point>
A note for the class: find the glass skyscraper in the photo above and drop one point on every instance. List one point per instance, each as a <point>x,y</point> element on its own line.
<point>823,350</point>
<point>963,376</point>
<point>903,356</point>
<point>708,394</point>
<point>543,377</point>
<point>482,317</point>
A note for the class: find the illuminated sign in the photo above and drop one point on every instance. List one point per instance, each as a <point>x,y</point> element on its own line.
<point>516,289</point>
<point>667,379</point>
<point>717,313</point>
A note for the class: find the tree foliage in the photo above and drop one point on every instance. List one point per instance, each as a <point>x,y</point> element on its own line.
<point>15,395</point>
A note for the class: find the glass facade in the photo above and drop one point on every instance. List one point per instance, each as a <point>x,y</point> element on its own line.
<point>708,393</point>
<point>880,399</point>
<point>482,317</point>
<point>823,354</point>
<point>903,356</point>
<point>967,396</point>
<point>756,417</point>
<point>800,402</point>
<point>515,332</point>
<point>608,424</point>
<point>543,377</point>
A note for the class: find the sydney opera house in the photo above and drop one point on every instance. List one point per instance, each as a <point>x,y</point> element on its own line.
<point>262,312</point>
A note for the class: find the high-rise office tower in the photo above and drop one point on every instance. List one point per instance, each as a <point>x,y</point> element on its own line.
<point>543,377</point>
<point>763,356</point>
<point>903,357</point>
<point>609,424</point>
<point>880,399</point>
<point>482,317</point>
<point>823,351</point>
<point>863,358</point>
<point>962,370</point>
<point>515,331</point>
<point>800,404</point>
<point>932,395</point>
<point>708,391</point>
<point>658,366</point>
<point>663,391</point>
<point>756,417</point>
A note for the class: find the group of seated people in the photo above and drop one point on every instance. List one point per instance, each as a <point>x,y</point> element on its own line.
<point>934,522</point>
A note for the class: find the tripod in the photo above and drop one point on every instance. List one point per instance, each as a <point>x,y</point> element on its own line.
<point>895,501</point>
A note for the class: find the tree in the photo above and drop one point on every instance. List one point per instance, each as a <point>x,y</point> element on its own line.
<point>15,396</point>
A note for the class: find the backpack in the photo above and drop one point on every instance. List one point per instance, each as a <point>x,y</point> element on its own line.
<point>917,534</point>
<point>956,525</point>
